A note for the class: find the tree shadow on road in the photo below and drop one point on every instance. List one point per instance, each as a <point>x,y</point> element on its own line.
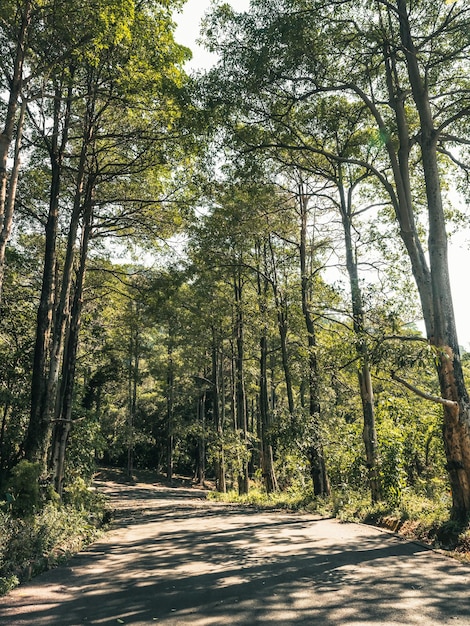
<point>185,561</point>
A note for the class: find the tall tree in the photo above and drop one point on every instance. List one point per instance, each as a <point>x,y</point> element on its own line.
<point>316,454</point>
<point>265,411</point>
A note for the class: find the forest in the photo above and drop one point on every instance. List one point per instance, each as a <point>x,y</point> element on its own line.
<point>239,275</point>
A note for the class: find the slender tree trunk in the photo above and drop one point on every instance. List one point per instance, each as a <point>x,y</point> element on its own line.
<point>134,364</point>
<point>223,476</point>
<point>316,456</point>
<point>8,195</point>
<point>218,425</point>
<point>62,310</point>
<point>282,322</point>
<point>201,446</point>
<point>267,454</point>
<point>9,204</point>
<point>63,417</point>
<point>266,449</point>
<point>283,327</point>
<point>240,394</point>
<point>169,405</point>
<point>233,406</point>
<point>3,458</point>
<point>369,433</point>
<point>401,193</point>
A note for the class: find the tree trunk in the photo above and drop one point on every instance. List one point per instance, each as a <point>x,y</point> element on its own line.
<point>134,364</point>
<point>9,203</point>
<point>7,198</point>
<point>240,394</point>
<point>316,456</point>
<point>62,310</point>
<point>201,444</point>
<point>169,405</point>
<point>39,428</point>
<point>369,433</point>
<point>218,424</point>
<point>441,320</point>
<point>266,449</point>
<point>63,422</point>
<point>3,457</point>
<point>282,323</point>
<point>223,475</point>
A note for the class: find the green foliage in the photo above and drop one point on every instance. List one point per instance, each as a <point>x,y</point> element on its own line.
<point>392,470</point>
<point>7,583</point>
<point>292,499</point>
<point>86,443</point>
<point>24,488</point>
<point>28,545</point>
<point>25,495</point>
<point>83,498</point>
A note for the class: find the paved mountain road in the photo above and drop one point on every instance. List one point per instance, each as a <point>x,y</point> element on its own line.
<point>173,558</point>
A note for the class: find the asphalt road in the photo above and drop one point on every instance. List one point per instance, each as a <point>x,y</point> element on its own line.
<point>174,558</point>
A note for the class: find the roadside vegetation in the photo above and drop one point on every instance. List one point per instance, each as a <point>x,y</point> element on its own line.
<point>37,531</point>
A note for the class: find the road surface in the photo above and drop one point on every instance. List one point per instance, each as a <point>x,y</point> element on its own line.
<point>173,558</point>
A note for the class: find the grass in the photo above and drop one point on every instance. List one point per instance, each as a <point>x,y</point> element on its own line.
<point>289,500</point>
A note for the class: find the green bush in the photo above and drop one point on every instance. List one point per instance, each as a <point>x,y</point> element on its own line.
<point>31,544</point>
<point>23,488</point>
<point>83,498</point>
<point>7,584</point>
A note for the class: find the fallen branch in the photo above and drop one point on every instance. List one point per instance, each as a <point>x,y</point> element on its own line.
<point>427,396</point>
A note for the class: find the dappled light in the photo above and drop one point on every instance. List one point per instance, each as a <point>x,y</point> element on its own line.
<point>174,557</point>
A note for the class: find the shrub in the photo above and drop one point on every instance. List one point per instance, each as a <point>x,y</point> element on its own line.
<point>81,497</point>
<point>34,543</point>
<point>24,488</point>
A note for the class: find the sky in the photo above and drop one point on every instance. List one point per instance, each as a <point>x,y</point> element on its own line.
<point>187,33</point>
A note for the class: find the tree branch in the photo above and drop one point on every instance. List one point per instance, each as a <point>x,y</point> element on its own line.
<point>427,396</point>
<point>405,338</point>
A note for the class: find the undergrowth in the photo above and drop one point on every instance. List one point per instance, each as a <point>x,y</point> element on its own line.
<point>44,536</point>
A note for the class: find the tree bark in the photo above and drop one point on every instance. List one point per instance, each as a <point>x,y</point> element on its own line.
<point>9,203</point>
<point>169,405</point>
<point>218,423</point>
<point>201,443</point>
<point>39,428</point>
<point>443,336</point>
<point>63,422</point>
<point>369,433</point>
<point>7,198</point>
<point>62,309</point>
<point>266,449</point>
<point>240,394</point>
<point>316,456</point>
<point>282,322</point>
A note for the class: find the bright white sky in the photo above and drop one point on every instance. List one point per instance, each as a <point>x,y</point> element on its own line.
<point>187,33</point>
